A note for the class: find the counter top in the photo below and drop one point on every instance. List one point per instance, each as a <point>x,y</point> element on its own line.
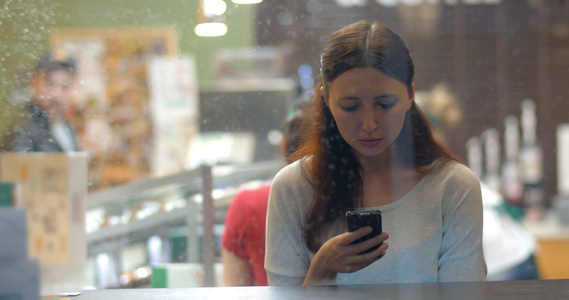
<point>549,227</point>
<point>502,290</point>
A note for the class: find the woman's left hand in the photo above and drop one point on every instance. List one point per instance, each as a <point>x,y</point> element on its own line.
<point>339,255</point>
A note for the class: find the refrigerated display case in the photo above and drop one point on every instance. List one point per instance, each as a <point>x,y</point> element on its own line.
<point>192,203</point>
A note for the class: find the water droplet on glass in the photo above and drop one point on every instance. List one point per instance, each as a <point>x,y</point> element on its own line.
<point>285,18</point>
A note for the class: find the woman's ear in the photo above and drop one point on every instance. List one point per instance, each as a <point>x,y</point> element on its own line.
<point>411,95</point>
<point>324,97</point>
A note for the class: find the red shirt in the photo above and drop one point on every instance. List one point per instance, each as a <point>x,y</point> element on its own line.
<point>244,233</point>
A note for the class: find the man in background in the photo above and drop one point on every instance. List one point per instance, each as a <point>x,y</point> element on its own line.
<point>42,123</point>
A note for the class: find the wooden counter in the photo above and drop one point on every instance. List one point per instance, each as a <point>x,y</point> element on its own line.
<point>552,257</point>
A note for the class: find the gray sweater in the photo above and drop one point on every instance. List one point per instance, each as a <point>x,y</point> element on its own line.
<point>435,231</point>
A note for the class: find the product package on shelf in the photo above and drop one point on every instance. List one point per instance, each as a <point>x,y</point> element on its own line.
<point>182,275</point>
<point>13,233</point>
<point>177,275</point>
<point>9,193</point>
<point>53,189</point>
<point>20,279</point>
<point>19,274</point>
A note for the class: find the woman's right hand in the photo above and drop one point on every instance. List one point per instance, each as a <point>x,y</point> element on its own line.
<point>338,255</point>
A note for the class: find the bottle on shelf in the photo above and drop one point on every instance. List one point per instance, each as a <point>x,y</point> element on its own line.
<point>512,184</point>
<point>474,155</point>
<point>491,138</point>
<point>531,161</point>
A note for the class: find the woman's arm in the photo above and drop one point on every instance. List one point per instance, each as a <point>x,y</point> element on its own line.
<point>236,271</point>
<point>240,238</point>
<point>286,258</point>
<point>462,257</point>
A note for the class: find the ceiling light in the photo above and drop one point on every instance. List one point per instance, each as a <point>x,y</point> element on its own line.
<point>210,29</point>
<point>211,18</point>
<point>247,1</point>
<point>214,7</point>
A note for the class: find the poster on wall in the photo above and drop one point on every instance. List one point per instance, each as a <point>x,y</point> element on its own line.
<point>112,112</point>
<point>173,88</point>
<point>174,102</point>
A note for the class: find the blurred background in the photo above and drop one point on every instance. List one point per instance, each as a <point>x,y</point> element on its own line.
<point>167,87</point>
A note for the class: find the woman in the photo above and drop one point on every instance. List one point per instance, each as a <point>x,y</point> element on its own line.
<point>368,146</point>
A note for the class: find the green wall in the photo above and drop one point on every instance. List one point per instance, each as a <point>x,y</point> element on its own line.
<point>25,26</point>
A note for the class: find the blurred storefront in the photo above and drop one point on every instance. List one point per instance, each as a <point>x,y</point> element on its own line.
<point>158,101</point>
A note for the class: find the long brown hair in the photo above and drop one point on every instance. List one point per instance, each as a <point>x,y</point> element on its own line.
<point>334,171</point>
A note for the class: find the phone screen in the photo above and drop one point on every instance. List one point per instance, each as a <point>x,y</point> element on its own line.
<point>359,219</point>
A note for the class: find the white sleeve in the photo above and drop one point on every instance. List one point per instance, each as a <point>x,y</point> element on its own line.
<point>286,258</point>
<point>461,257</point>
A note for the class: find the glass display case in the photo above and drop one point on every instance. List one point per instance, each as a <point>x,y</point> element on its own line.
<point>160,215</point>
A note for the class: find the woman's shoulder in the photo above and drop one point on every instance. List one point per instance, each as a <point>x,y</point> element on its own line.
<point>453,172</point>
<point>290,188</point>
<point>292,173</point>
<point>292,179</point>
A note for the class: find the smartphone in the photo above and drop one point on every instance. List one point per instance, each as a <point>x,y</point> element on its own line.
<point>361,218</point>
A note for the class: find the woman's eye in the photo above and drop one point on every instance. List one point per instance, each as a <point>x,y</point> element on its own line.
<point>385,105</point>
<point>349,108</point>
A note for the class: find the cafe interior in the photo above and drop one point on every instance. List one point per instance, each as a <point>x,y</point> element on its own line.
<point>180,105</point>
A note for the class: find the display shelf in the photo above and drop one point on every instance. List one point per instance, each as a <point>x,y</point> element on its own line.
<point>139,229</point>
<point>202,194</point>
<point>122,195</point>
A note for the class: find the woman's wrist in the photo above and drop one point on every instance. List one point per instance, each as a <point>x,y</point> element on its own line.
<point>317,276</point>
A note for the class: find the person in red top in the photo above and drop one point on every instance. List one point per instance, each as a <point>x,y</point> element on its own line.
<point>243,241</point>
<point>244,238</point>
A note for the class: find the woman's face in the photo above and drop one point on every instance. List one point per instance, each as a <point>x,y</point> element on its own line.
<point>369,108</point>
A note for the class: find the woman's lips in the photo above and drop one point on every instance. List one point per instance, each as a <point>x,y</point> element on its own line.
<point>370,142</point>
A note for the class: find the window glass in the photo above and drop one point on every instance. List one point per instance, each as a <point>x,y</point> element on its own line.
<point>152,91</point>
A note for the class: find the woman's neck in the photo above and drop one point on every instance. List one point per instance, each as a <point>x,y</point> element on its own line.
<point>386,178</point>
<point>384,163</point>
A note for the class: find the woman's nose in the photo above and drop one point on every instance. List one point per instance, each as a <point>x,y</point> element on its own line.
<point>369,123</point>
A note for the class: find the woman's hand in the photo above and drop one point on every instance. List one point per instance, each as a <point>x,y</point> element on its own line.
<point>337,255</point>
